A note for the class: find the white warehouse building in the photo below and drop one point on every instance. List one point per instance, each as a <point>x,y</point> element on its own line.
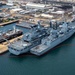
<point>36,6</point>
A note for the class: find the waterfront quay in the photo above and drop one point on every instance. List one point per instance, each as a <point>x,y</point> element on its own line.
<point>7,23</point>
<point>3,48</point>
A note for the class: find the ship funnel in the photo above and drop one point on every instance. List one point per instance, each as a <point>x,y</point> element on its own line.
<point>51,25</point>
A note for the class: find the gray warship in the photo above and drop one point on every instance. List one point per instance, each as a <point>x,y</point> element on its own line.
<point>57,36</point>
<point>29,40</point>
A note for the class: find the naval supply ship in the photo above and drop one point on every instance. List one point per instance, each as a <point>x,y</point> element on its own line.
<point>10,34</point>
<point>57,36</point>
<point>29,40</point>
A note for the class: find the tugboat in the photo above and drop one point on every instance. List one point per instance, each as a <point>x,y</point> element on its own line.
<point>57,36</point>
<point>10,34</point>
<point>29,40</point>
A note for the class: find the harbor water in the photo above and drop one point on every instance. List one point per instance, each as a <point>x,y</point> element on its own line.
<point>58,61</point>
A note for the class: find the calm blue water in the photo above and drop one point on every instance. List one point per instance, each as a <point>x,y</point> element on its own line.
<point>4,6</point>
<point>10,26</point>
<point>59,61</point>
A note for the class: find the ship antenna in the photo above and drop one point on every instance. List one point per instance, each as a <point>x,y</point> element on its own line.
<point>56,24</point>
<point>64,18</point>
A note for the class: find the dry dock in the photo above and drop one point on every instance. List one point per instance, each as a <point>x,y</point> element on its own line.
<point>3,46</point>
<point>25,25</point>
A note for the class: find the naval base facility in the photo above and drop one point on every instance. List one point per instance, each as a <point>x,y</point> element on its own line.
<point>50,23</point>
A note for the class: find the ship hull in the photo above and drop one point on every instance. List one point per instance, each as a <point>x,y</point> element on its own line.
<point>53,44</point>
<point>25,50</point>
<point>12,51</point>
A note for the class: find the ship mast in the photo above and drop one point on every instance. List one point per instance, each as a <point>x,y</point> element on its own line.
<point>14,29</point>
<point>64,18</point>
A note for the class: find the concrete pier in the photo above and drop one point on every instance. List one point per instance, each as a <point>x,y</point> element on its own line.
<point>7,23</point>
<point>3,48</point>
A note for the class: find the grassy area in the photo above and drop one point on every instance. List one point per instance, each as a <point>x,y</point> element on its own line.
<point>6,20</point>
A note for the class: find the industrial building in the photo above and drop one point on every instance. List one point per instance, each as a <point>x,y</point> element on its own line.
<point>36,6</point>
<point>40,0</point>
<point>72,1</point>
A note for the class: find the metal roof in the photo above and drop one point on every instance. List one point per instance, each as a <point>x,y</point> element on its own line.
<point>35,5</point>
